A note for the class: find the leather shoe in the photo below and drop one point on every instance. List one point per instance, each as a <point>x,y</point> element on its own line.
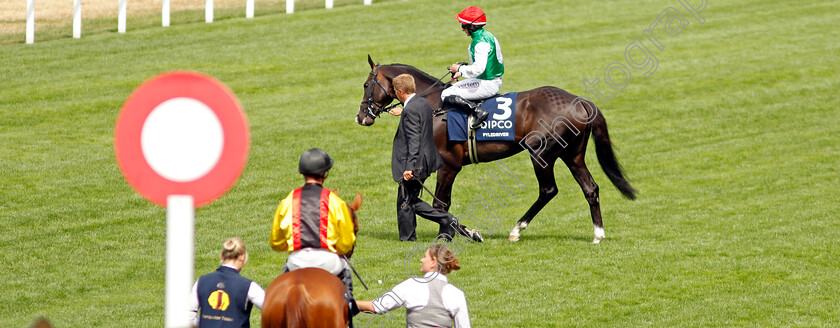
<point>476,236</point>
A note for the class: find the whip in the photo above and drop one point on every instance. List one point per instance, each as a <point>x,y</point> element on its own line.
<point>354,271</point>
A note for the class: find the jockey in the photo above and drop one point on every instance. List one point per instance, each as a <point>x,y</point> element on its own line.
<point>483,74</point>
<point>314,225</point>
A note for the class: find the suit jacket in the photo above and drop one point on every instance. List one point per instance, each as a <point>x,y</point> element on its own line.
<point>414,144</point>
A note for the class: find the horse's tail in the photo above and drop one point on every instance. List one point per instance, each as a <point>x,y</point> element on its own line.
<point>606,156</point>
<point>297,306</point>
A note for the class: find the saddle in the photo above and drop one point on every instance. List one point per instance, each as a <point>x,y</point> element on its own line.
<point>445,108</point>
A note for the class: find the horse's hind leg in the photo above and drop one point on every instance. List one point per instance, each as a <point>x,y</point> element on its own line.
<point>548,189</point>
<point>590,190</point>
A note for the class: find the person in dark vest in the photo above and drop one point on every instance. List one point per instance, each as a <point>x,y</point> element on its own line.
<point>314,225</point>
<point>224,298</point>
<point>484,72</point>
<point>413,158</point>
<point>430,301</point>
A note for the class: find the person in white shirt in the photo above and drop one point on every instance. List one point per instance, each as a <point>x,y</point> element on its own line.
<point>223,297</point>
<point>430,301</point>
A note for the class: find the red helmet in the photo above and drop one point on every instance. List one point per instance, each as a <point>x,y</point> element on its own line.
<point>472,15</point>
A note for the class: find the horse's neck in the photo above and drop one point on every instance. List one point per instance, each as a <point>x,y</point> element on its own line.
<point>433,96</point>
<point>427,86</point>
<point>430,88</point>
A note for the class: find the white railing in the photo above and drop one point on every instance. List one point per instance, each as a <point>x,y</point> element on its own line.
<point>30,21</point>
<point>77,19</point>
<point>121,21</point>
<point>122,14</point>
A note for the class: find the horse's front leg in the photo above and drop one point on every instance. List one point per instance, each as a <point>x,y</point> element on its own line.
<point>443,190</point>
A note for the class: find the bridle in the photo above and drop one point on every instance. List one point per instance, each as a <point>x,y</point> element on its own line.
<point>373,109</point>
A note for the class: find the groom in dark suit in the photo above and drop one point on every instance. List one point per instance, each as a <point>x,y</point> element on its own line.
<point>413,158</point>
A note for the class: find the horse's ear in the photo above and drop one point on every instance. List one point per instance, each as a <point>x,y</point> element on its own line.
<point>357,202</point>
<point>370,61</point>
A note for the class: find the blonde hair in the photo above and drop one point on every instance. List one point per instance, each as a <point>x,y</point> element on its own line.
<point>447,262</point>
<point>405,83</point>
<point>233,248</point>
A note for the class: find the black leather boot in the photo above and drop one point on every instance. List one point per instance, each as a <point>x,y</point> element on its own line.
<point>470,108</point>
<point>347,278</point>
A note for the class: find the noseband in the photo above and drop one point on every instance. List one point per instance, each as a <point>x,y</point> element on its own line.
<point>373,109</point>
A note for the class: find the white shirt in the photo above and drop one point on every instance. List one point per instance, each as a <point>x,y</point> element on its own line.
<point>407,99</point>
<point>413,293</point>
<point>482,52</point>
<point>256,295</point>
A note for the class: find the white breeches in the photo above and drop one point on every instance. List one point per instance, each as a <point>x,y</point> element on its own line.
<point>473,89</point>
<point>315,258</point>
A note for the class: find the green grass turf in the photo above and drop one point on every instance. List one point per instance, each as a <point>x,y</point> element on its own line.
<point>732,143</point>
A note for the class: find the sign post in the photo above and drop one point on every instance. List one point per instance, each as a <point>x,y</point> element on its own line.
<point>181,141</point>
<point>180,245</point>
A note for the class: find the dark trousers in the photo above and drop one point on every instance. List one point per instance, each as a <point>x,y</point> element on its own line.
<point>409,205</point>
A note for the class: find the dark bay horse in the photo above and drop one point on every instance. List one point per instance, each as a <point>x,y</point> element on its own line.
<point>309,297</point>
<point>550,122</point>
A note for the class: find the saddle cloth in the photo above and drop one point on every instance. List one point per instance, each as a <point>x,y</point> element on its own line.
<point>499,125</point>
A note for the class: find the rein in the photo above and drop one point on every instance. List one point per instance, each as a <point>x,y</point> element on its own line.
<point>404,204</point>
<point>423,94</point>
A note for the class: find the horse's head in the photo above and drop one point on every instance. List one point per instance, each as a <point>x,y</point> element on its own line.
<point>377,97</point>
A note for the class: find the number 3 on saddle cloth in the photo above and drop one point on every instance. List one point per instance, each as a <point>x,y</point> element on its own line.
<point>499,125</point>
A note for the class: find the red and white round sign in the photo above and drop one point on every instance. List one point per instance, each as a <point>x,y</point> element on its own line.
<point>181,133</point>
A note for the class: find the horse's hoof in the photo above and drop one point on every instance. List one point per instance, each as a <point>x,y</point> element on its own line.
<point>597,240</point>
<point>513,238</point>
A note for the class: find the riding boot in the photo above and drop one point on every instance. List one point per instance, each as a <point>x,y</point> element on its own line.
<point>468,107</point>
<point>347,278</point>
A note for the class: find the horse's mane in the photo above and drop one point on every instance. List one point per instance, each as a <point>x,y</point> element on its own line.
<point>416,71</point>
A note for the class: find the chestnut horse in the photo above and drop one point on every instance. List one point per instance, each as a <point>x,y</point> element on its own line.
<point>309,297</point>
<point>550,122</point>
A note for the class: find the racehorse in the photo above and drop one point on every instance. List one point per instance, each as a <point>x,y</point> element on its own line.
<point>572,119</point>
<point>309,297</point>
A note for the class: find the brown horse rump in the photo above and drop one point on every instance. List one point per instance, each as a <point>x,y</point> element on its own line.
<point>309,297</point>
